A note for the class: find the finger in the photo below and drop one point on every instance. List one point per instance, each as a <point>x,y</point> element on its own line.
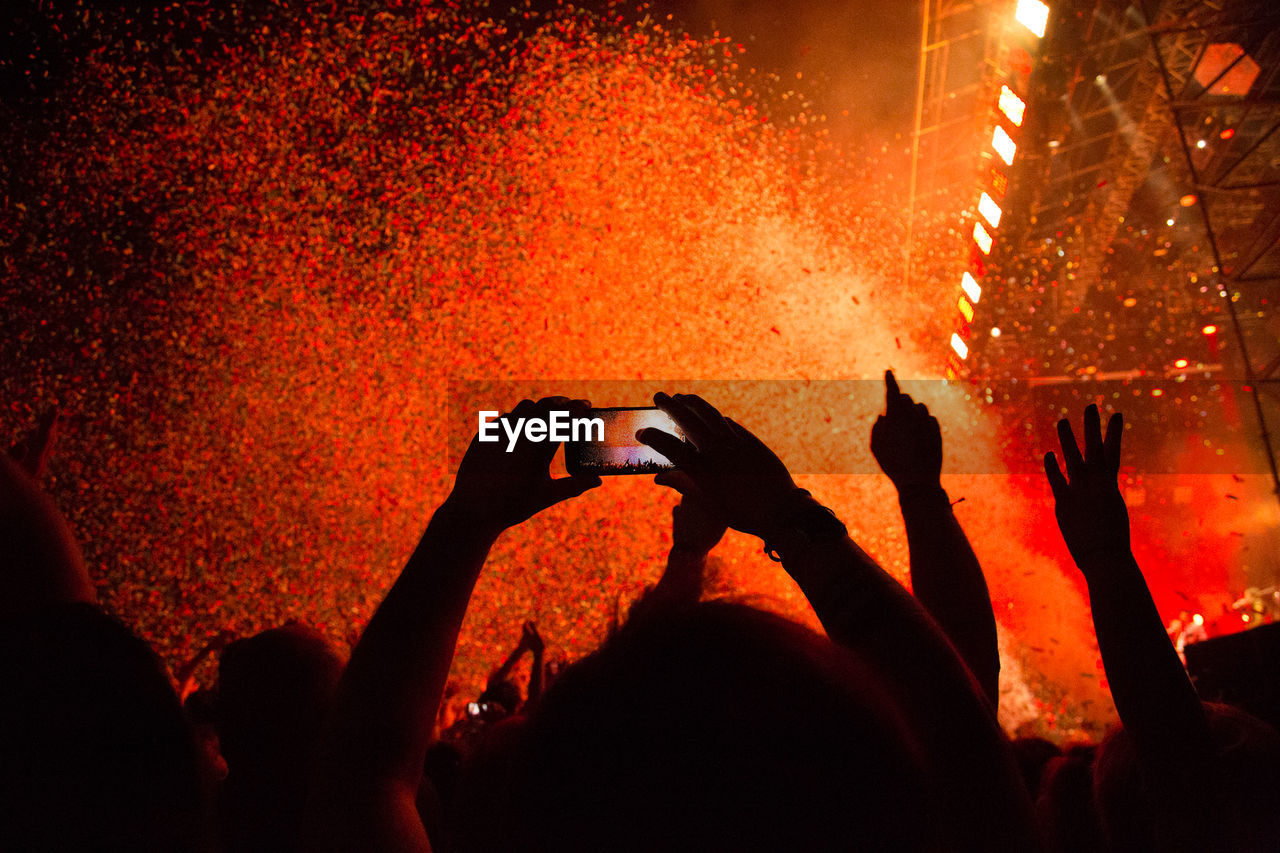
<point>709,415</point>
<point>690,424</point>
<point>1115,429</point>
<point>922,411</point>
<point>894,399</point>
<point>1070,450</point>
<point>42,446</point>
<point>738,431</point>
<point>678,480</point>
<point>570,487</point>
<point>891,390</point>
<point>1093,453</point>
<point>677,452</point>
<point>1057,482</point>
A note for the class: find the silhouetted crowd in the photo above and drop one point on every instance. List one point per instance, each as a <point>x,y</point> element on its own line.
<point>696,725</point>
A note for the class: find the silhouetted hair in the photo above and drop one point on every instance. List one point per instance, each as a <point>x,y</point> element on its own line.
<point>1243,789</point>
<point>713,727</point>
<point>94,751</point>
<point>275,690</point>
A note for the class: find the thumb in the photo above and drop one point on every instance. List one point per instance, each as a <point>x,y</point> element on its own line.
<point>570,487</point>
<point>675,479</point>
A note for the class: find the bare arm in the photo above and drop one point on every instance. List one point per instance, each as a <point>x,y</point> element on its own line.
<point>946,576</point>
<point>392,687</point>
<point>533,640</point>
<point>1154,696</point>
<point>865,609</point>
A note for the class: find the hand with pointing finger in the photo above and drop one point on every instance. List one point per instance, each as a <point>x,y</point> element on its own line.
<point>906,440</point>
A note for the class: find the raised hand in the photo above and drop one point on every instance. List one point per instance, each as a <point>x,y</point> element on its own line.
<point>1090,510</point>
<point>742,479</point>
<point>531,639</point>
<point>906,439</point>
<point>39,555</point>
<point>32,452</point>
<point>498,489</point>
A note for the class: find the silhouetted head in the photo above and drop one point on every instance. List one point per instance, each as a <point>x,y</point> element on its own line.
<point>1033,754</point>
<point>274,691</point>
<point>1241,790</point>
<point>94,751</point>
<point>716,727</point>
<point>1065,812</point>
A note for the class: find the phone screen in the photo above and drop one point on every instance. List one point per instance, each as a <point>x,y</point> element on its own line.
<point>620,452</point>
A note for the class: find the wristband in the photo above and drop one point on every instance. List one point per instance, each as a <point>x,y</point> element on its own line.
<point>806,519</point>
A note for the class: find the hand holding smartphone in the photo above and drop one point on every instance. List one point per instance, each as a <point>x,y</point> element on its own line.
<point>619,452</point>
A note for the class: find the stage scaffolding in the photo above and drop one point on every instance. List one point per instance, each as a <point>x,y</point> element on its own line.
<point>1158,117</point>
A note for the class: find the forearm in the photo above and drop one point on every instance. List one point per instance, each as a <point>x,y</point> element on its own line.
<point>866,610</point>
<point>393,685</point>
<point>508,664</point>
<point>947,579</point>
<point>682,581</point>
<point>534,693</point>
<point>861,606</point>
<point>1153,695</point>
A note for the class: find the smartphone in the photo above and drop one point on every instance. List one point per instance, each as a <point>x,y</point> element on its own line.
<point>619,452</point>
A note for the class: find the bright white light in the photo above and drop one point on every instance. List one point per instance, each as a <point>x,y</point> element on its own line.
<point>990,210</point>
<point>1003,145</point>
<point>995,331</point>
<point>1012,106</point>
<point>1169,222</point>
<point>959,346</point>
<point>970,286</point>
<point>1200,143</point>
<point>982,237</point>
<point>1033,15</point>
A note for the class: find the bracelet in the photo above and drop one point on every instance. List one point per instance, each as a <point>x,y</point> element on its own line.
<point>810,520</point>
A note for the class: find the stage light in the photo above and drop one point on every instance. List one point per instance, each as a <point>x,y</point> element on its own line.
<point>1188,200</point>
<point>1169,222</point>
<point>1200,143</point>
<point>995,331</point>
<point>1003,145</point>
<point>1033,15</point>
<point>1209,330</point>
<point>1227,133</point>
<point>982,237</point>
<point>1180,363</point>
<point>959,346</point>
<point>990,210</point>
<point>1157,392</point>
<point>966,310</point>
<point>1012,106</point>
<point>970,287</point>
